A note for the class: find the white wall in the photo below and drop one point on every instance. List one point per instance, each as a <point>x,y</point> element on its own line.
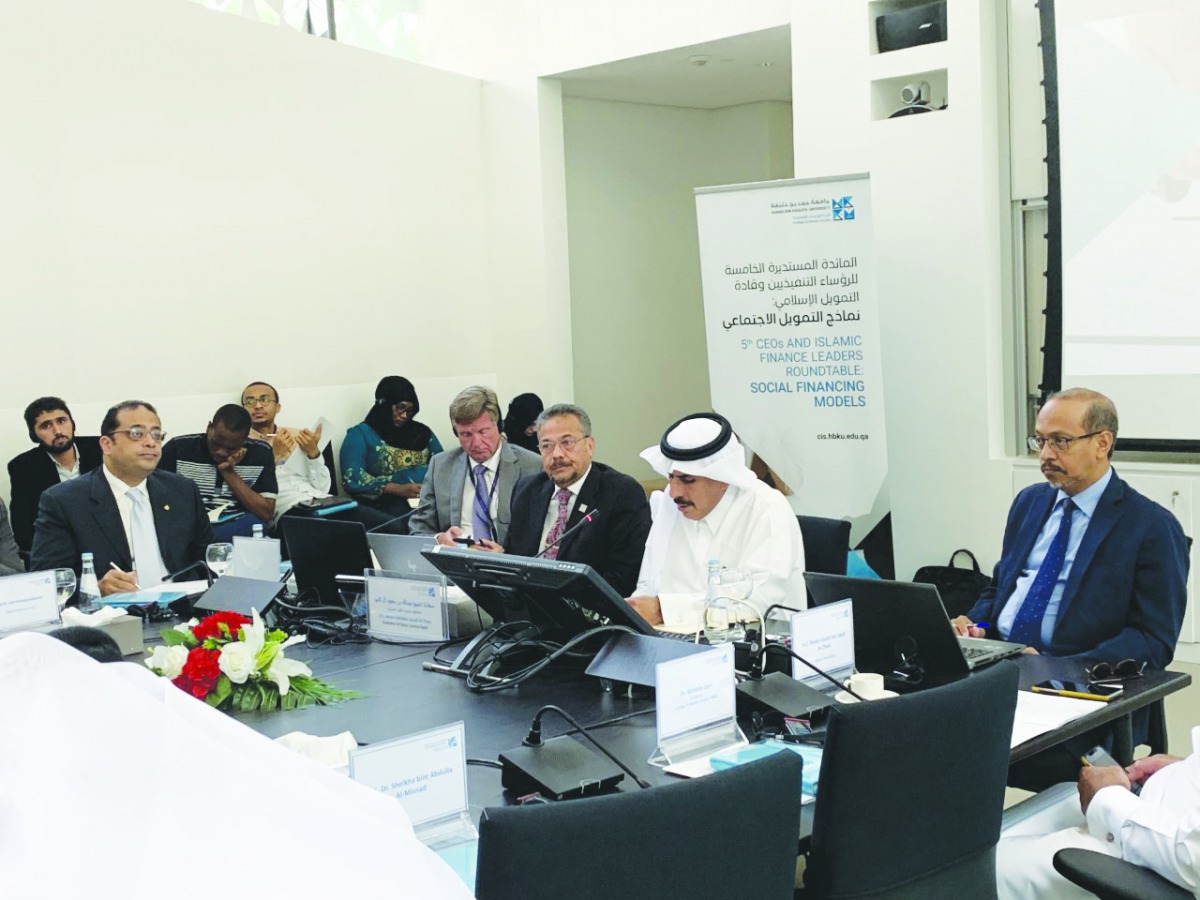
<point>636,305</point>
<point>193,200</point>
<point>939,190</point>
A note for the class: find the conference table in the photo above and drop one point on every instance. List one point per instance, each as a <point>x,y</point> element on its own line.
<point>403,698</point>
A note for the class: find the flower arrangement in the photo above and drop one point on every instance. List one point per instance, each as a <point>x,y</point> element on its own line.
<point>232,662</point>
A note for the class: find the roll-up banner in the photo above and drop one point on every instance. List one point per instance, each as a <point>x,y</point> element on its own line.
<point>793,342</point>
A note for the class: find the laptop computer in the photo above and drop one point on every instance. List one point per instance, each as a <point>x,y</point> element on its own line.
<point>897,622</point>
<point>402,553</point>
<point>322,550</point>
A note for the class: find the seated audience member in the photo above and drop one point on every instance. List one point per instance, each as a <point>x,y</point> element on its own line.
<point>59,456</point>
<point>300,471</point>
<point>468,490</point>
<point>386,456</point>
<point>548,505</point>
<point>95,642</point>
<point>1089,567</point>
<point>10,559</point>
<point>520,422</point>
<point>714,508</point>
<point>1159,829</point>
<point>138,523</point>
<point>235,474</point>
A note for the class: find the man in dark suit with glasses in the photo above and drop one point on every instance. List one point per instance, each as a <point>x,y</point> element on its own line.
<point>139,524</point>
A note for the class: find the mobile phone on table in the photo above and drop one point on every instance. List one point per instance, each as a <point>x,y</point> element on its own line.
<point>1098,756</point>
<point>465,541</point>
<point>1080,689</point>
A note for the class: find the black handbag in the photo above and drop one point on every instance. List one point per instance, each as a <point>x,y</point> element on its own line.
<point>960,588</point>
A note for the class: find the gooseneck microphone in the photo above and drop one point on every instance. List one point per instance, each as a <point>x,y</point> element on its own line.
<point>574,528</point>
<point>756,669</point>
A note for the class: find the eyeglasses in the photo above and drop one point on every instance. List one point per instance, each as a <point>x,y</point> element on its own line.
<point>252,401</point>
<point>1125,670</point>
<point>1058,443</point>
<point>137,433</point>
<point>568,443</point>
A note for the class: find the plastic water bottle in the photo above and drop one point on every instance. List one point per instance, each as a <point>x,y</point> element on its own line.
<point>89,587</point>
<point>257,530</point>
<point>716,610</point>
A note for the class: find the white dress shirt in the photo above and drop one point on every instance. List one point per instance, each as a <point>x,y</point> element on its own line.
<point>466,515</point>
<point>754,530</point>
<point>125,507</point>
<point>300,479</point>
<point>65,474</point>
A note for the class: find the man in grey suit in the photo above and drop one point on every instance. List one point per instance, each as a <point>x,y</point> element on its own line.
<point>467,490</point>
<point>139,524</point>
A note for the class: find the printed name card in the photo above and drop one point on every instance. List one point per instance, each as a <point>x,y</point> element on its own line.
<point>27,600</point>
<point>406,608</point>
<point>695,691</point>
<point>426,772</point>
<point>824,635</point>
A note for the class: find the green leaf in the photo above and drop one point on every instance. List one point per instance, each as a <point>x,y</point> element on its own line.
<point>173,638</point>
<point>223,689</point>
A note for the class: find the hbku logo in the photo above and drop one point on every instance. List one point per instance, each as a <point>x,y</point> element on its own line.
<point>843,209</point>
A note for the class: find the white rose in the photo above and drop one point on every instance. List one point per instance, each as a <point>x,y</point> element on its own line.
<point>168,661</point>
<point>237,661</point>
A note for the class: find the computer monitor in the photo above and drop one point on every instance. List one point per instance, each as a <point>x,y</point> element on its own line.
<point>560,599</point>
<point>321,550</point>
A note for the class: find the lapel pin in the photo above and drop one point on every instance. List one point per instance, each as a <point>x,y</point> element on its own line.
<point>167,507</point>
<point>583,507</point>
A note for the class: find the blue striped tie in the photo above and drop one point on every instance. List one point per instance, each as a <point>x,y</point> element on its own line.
<point>481,513</point>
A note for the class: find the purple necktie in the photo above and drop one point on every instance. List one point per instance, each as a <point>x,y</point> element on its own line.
<point>560,524</point>
<point>481,514</point>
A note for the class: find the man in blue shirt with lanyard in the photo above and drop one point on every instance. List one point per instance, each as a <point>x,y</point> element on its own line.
<point>1090,568</point>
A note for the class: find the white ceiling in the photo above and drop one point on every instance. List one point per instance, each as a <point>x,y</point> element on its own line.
<point>735,73</point>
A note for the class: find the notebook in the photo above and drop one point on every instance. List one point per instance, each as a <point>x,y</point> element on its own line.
<point>895,621</point>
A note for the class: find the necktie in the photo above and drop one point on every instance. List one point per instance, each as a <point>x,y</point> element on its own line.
<point>144,541</point>
<point>1027,627</point>
<point>481,514</point>
<point>560,524</point>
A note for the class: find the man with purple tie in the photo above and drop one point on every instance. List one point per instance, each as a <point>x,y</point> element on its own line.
<point>467,491</point>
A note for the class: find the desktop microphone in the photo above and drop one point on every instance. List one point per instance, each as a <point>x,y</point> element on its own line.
<point>574,528</point>
<point>780,692</point>
<point>561,768</point>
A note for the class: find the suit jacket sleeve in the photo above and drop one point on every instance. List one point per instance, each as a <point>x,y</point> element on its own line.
<point>987,608</point>
<point>24,504</point>
<point>10,560</point>
<point>54,545</point>
<point>424,519</point>
<point>628,528</point>
<point>201,530</point>
<point>1159,599</point>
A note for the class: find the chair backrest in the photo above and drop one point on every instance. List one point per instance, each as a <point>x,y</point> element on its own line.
<point>826,543</point>
<point>730,834</point>
<point>912,792</point>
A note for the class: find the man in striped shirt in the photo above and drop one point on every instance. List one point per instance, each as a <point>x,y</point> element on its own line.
<point>235,475</point>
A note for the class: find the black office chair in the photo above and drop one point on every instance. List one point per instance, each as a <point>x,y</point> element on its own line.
<point>1114,879</point>
<point>826,543</point>
<point>912,791</point>
<point>729,834</point>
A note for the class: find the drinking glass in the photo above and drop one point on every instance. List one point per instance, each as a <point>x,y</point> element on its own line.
<point>64,585</point>
<point>219,558</point>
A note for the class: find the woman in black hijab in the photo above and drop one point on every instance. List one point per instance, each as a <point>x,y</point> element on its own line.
<point>518,422</point>
<point>385,457</point>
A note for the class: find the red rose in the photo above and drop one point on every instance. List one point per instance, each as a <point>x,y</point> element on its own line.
<point>210,626</point>
<point>200,672</point>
